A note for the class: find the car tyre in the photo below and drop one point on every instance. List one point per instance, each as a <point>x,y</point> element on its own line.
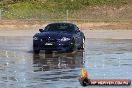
<point>48,52</point>
<point>72,46</point>
<point>36,51</point>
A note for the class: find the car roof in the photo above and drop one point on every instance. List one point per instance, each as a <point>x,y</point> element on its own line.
<point>62,23</point>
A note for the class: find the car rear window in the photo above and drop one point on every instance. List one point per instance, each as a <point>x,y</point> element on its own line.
<point>59,27</point>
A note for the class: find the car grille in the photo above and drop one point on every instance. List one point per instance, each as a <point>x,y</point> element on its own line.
<point>48,47</point>
<point>49,40</point>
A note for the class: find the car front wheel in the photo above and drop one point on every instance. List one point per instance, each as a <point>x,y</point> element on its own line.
<point>36,51</point>
<point>72,46</point>
<point>48,52</point>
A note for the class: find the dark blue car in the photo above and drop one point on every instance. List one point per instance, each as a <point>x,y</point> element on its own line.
<point>61,37</point>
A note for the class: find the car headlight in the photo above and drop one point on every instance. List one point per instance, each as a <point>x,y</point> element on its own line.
<point>65,39</point>
<point>35,38</point>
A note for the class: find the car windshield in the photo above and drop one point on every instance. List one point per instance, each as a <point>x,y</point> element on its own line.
<point>59,27</point>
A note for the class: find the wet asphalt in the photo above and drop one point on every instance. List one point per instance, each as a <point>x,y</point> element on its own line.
<point>102,58</point>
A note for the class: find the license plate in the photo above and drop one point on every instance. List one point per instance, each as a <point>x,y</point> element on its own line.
<point>49,44</point>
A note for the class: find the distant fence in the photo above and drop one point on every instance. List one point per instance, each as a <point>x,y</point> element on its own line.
<point>102,13</point>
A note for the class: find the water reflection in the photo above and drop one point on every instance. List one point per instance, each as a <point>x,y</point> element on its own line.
<point>104,59</point>
<point>46,62</point>
<point>25,70</point>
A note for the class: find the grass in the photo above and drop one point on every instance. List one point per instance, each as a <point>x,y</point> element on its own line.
<point>51,9</point>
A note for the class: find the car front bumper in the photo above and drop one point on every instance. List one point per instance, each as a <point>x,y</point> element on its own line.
<point>55,46</point>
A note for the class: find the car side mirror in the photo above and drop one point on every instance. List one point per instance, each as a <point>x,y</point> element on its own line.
<point>41,30</point>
